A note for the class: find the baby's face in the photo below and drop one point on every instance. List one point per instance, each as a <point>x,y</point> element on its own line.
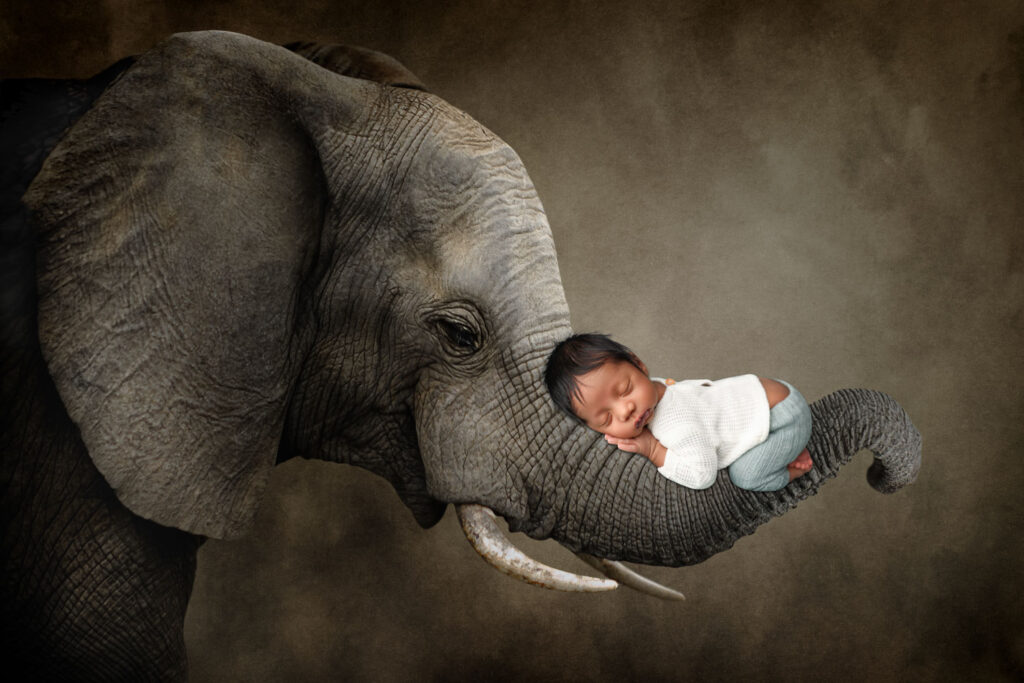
<point>617,399</point>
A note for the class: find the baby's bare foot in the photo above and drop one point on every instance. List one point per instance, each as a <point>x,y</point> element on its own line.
<point>804,459</point>
<point>800,466</point>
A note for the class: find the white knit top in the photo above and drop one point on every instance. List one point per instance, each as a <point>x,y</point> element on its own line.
<point>707,425</point>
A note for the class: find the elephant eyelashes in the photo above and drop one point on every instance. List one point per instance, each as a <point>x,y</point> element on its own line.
<point>459,326</point>
<point>462,339</point>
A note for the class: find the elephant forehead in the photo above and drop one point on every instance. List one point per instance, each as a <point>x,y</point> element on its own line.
<point>470,181</point>
<point>458,166</point>
<point>513,273</point>
<point>498,248</point>
<point>473,213</point>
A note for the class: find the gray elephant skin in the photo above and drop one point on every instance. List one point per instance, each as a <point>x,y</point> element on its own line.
<point>235,255</point>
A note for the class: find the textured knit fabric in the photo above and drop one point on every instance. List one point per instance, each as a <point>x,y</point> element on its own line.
<point>707,425</point>
<point>763,467</point>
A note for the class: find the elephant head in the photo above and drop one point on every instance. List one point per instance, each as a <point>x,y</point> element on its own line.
<point>246,257</point>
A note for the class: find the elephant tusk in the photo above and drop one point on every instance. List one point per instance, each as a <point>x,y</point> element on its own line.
<point>480,527</point>
<point>627,577</point>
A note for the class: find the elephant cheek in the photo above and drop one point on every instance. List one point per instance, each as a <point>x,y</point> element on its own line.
<point>466,456</point>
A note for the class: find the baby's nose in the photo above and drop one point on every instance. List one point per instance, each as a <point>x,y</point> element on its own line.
<point>626,410</point>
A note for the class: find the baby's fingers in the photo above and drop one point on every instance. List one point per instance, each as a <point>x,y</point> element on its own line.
<point>628,445</point>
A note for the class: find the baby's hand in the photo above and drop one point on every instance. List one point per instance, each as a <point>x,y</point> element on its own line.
<point>645,444</point>
<point>628,445</point>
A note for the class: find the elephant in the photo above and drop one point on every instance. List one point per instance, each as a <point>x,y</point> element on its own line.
<point>239,253</point>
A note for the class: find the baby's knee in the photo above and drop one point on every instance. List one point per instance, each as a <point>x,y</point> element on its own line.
<point>743,476</point>
<point>756,480</point>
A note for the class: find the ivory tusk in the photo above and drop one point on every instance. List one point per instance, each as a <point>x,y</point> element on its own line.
<point>627,577</point>
<point>480,527</point>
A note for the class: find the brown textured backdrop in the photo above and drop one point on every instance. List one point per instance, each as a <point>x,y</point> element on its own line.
<point>830,192</point>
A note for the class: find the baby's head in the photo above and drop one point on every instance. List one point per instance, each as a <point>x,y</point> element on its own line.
<point>602,384</point>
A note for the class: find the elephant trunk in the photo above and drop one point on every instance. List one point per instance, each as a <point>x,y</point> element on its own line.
<point>850,419</point>
<point>618,507</point>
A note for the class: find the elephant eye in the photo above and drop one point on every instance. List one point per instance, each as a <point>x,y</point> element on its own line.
<point>460,336</point>
<point>461,339</point>
<point>459,327</point>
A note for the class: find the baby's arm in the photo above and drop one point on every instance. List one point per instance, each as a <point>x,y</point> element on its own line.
<point>645,444</point>
<point>694,465</point>
<point>696,470</point>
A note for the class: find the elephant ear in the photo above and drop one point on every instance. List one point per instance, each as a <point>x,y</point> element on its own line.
<point>177,221</point>
<point>358,62</point>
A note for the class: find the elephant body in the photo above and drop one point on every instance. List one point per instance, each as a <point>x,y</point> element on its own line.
<point>90,589</point>
<point>238,255</point>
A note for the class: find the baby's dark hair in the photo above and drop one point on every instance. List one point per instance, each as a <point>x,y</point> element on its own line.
<point>576,356</point>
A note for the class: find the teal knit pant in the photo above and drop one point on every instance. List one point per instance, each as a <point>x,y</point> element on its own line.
<point>763,467</point>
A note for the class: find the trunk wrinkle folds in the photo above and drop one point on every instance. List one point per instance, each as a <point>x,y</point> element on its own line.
<point>620,508</point>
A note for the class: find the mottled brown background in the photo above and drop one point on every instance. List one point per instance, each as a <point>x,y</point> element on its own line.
<point>830,192</point>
